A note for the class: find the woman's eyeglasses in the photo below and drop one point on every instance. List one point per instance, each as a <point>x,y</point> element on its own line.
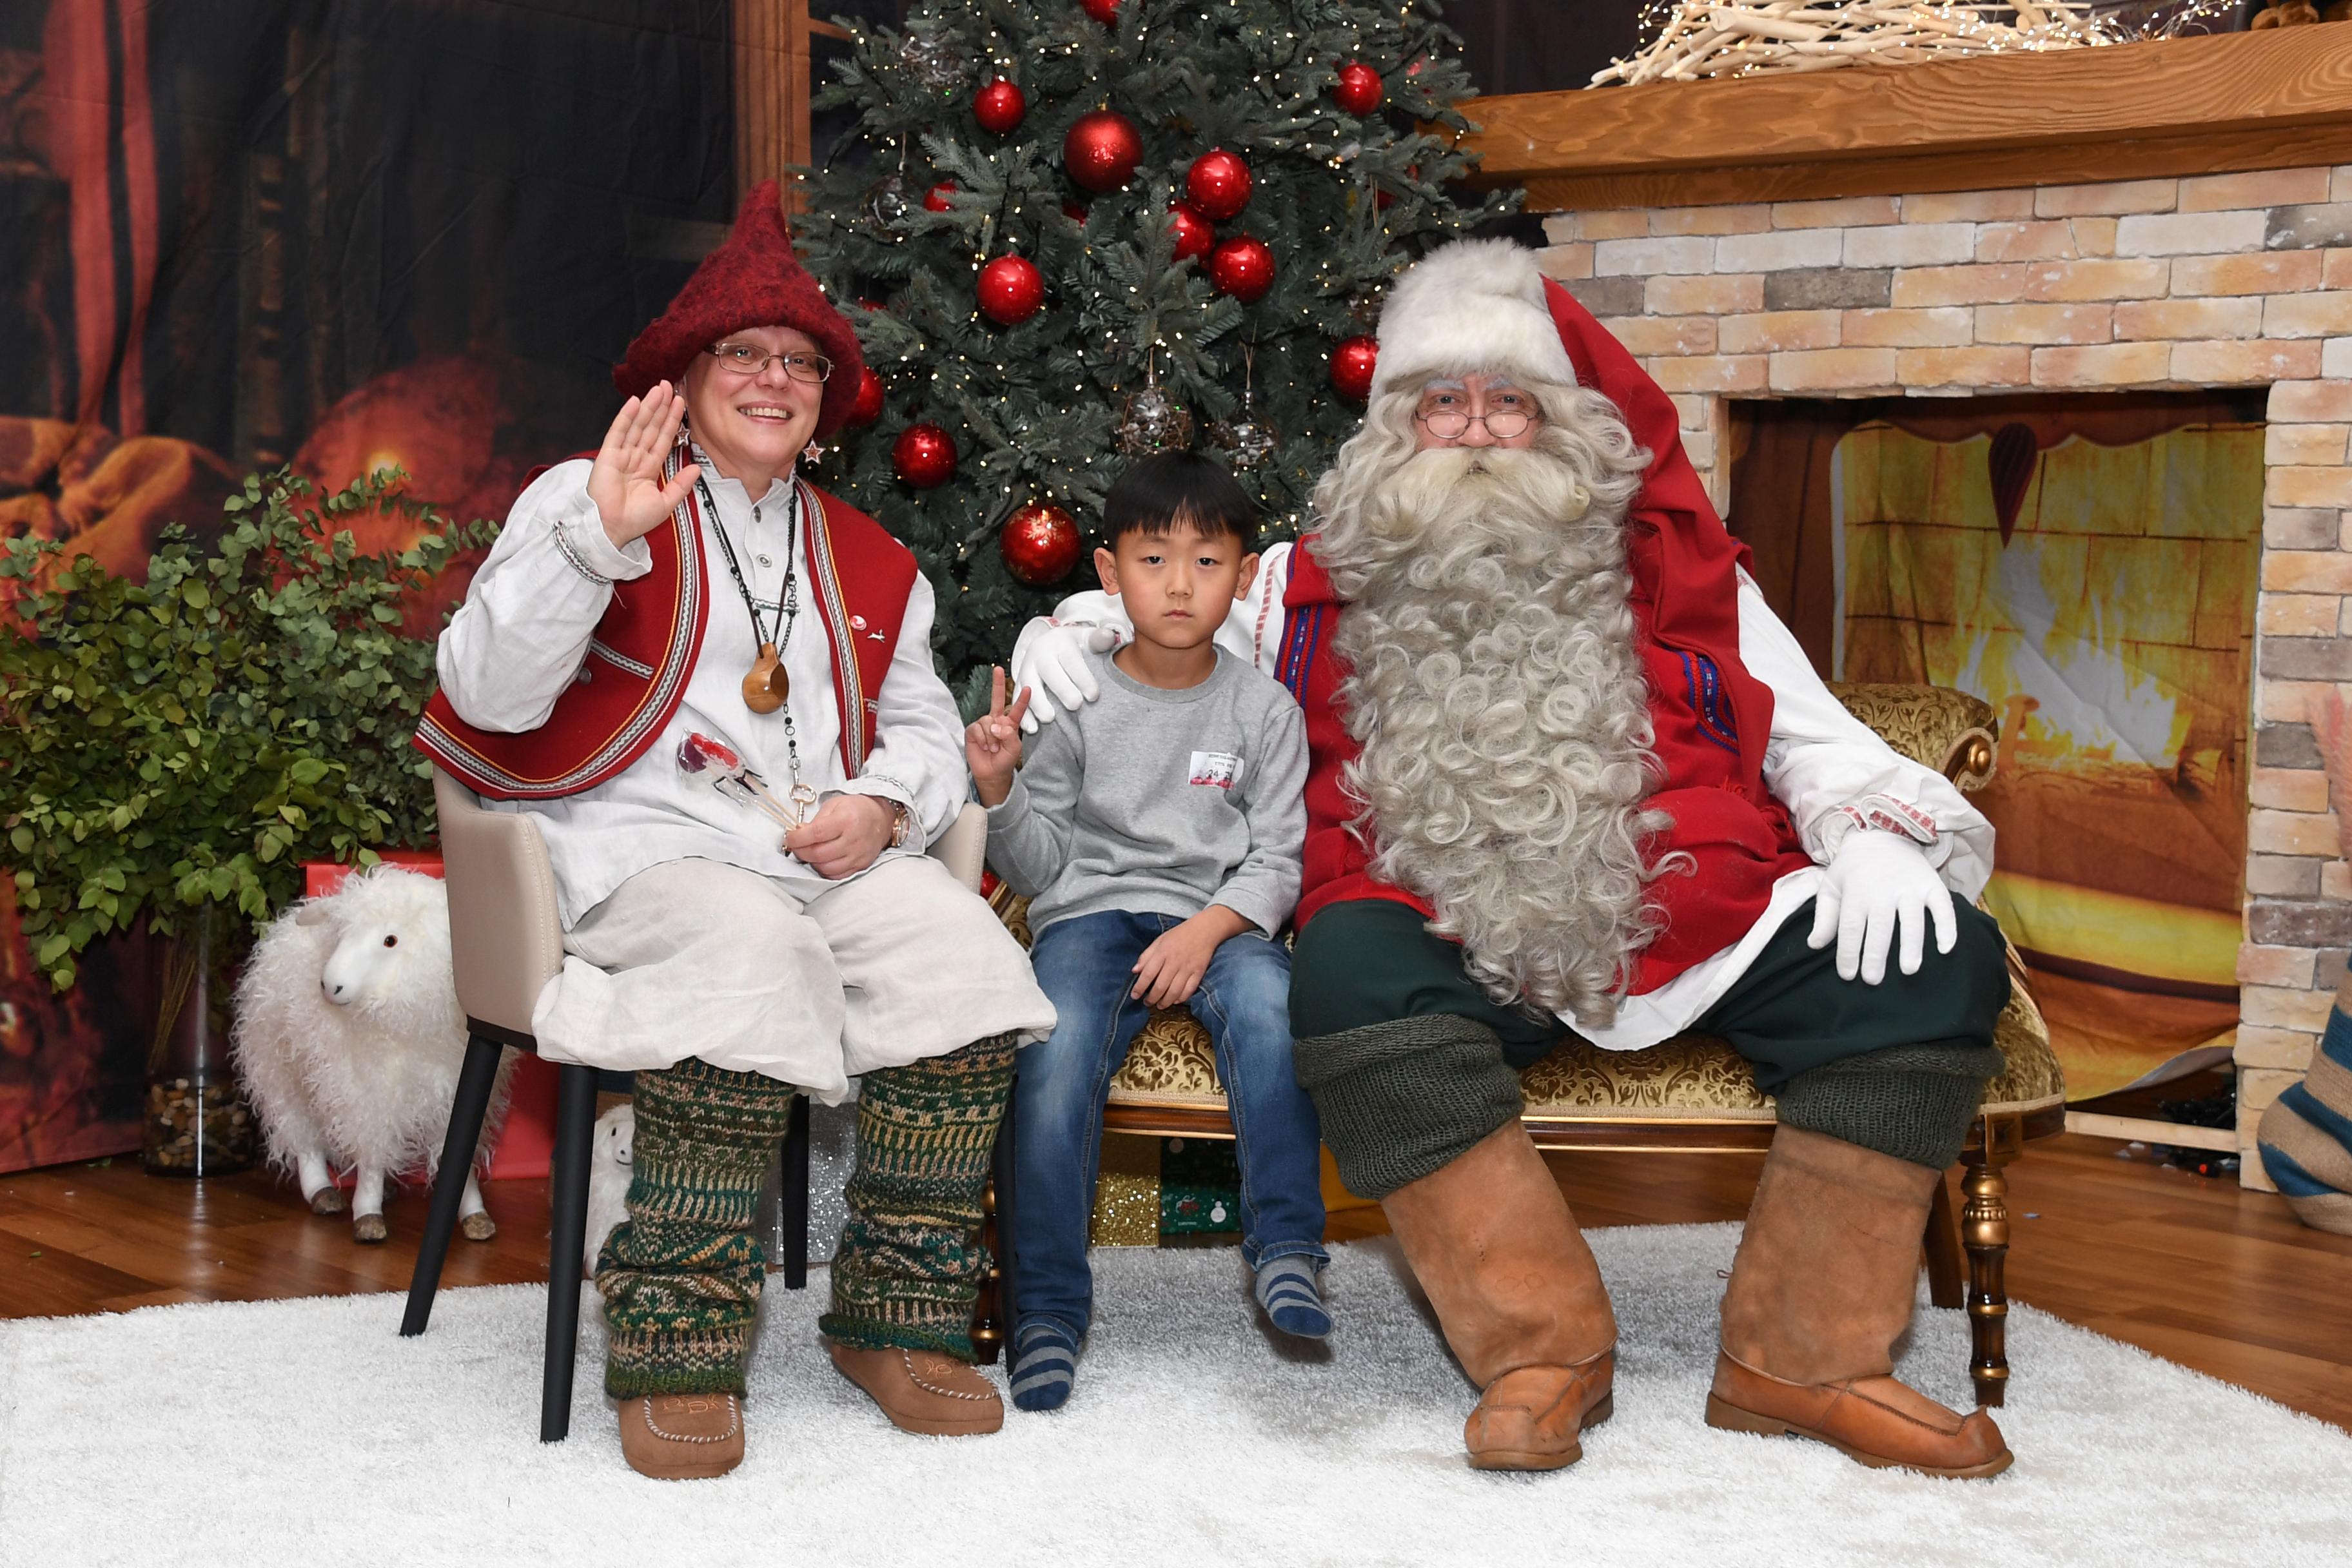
<point>748,360</point>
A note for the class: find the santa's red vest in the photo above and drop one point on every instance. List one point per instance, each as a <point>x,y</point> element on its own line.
<point>1711,718</point>
<point>643,649</point>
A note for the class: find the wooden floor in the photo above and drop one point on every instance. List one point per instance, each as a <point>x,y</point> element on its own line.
<point>2201,1272</point>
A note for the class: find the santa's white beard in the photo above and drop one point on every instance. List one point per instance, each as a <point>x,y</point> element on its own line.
<point>1499,698</point>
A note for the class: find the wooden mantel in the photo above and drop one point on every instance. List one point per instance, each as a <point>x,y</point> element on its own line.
<point>2182,106</point>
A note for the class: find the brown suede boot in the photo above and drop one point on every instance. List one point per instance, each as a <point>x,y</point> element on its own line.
<point>1518,1296</point>
<point>1821,1290</point>
<point>682,1436</point>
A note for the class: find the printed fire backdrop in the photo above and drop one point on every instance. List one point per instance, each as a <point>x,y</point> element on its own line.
<point>235,234</point>
<point>2088,568</point>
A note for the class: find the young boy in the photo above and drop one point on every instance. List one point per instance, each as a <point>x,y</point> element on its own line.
<point>1156,834</point>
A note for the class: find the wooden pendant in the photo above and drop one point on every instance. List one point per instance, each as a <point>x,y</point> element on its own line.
<point>765,688</point>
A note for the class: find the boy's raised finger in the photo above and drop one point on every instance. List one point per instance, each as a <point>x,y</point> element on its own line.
<point>1020,708</point>
<point>996,691</point>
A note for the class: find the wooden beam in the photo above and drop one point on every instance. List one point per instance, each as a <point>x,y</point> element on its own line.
<point>771,94</point>
<point>2240,100</point>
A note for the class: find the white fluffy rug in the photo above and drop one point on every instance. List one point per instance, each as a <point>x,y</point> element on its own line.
<point>307,1432</point>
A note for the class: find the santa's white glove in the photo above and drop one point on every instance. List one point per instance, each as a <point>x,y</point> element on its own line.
<point>1055,666</point>
<point>1876,881</point>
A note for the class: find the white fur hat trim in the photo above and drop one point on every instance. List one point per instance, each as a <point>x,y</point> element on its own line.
<point>1474,305</point>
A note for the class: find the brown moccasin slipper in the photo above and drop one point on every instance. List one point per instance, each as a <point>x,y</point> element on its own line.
<point>682,1436</point>
<point>923,1391</point>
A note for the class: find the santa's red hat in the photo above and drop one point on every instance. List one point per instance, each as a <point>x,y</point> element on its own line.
<point>752,280</point>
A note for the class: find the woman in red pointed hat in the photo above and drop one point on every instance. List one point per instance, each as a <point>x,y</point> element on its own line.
<point>710,683</point>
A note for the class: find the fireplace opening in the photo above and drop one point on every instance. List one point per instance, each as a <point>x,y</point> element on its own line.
<point>2087,565</point>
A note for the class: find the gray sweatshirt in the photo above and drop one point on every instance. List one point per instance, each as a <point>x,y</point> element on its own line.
<point>1160,801</point>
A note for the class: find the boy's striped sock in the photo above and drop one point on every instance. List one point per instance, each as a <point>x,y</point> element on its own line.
<point>1287,1290</point>
<point>1045,1365</point>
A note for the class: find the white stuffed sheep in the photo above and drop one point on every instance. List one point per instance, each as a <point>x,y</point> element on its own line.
<point>610,1165</point>
<point>350,1039</point>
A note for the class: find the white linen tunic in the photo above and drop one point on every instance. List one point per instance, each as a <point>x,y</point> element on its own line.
<point>523,636</point>
<point>1819,757</point>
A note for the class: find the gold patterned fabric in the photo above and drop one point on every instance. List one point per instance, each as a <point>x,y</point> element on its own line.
<point>1948,730</point>
<point>1171,1064</point>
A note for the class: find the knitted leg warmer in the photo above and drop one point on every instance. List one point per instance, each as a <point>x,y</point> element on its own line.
<point>908,1268</point>
<point>681,1275</point>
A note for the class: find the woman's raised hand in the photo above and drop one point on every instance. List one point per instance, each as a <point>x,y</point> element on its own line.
<point>626,482</point>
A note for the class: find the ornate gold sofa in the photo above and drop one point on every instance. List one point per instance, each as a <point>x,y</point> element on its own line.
<point>1694,1094</point>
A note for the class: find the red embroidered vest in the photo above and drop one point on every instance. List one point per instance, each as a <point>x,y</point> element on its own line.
<point>1711,718</point>
<point>643,649</point>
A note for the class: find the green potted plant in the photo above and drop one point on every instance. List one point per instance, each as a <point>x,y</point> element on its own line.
<point>172,748</point>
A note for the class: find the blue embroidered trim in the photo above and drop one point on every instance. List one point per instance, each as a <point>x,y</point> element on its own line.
<point>1304,638</point>
<point>1710,704</point>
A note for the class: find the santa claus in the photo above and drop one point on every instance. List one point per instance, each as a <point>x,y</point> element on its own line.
<point>1570,774</point>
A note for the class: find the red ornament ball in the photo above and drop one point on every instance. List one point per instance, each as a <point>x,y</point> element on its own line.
<point>1195,234</point>
<point>1103,11</point>
<point>1040,544</point>
<point>1351,367</point>
<point>924,456</point>
<point>935,200</point>
<point>1219,185</point>
<point>1242,266</point>
<point>999,107</point>
<point>1011,289</point>
<point>1102,150</point>
<point>868,407</point>
<point>1359,89</point>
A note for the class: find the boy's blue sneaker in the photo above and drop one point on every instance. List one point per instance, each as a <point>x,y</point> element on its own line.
<point>1045,1365</point>
<point>1287,1290</point>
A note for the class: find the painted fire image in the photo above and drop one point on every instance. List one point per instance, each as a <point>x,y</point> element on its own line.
<point>2100,595</point>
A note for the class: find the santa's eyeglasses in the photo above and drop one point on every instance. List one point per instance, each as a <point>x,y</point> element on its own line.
<point>750,360</point>
<point>1451,424</point>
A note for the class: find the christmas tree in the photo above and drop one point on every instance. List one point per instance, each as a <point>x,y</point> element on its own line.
<point>1073,232</point>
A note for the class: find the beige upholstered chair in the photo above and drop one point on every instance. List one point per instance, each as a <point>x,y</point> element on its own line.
<point>1693,1093</point>
<point>505,943</point>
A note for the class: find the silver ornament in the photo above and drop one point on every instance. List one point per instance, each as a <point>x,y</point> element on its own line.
<point>885,206</point>
<point>1153,422</point>
<point>933,63</point>
<point>1246,441</point>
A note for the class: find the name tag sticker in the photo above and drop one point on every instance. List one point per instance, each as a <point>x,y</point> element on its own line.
<point>1221,770</point>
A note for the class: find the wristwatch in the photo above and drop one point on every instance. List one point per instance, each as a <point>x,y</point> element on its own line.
<point>902,825</point>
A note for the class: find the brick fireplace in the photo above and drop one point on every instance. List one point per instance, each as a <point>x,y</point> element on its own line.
<point>1869,276</point>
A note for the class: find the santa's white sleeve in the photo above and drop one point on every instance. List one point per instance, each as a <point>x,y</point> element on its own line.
<point>1253,630</point>
<point>917,755</point>
<point>516,643</point>
<point>1821,759</point>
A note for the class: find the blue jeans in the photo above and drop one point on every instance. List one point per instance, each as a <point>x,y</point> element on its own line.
<point>1086,964</point>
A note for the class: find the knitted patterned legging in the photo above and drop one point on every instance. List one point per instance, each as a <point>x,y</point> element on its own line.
<point>681,1275</point>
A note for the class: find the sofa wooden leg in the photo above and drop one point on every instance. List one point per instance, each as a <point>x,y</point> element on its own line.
<point>1984,1231</point>
<point>1945,1270</point>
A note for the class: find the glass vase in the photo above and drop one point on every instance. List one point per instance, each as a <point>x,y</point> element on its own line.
<point>197,1122</point>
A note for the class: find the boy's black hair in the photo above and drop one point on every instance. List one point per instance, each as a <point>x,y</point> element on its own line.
<point>1157,493</point>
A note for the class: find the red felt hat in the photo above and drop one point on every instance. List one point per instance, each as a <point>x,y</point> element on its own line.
<point>752,280</point>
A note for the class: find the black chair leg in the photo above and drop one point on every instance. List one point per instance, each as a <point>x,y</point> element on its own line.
<point>792,1195</point>
<point>467,1109</point>
<point>567,1201</point>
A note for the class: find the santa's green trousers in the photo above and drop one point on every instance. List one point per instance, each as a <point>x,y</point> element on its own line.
<point>1410,1064</point>
<point>681,1275</point>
